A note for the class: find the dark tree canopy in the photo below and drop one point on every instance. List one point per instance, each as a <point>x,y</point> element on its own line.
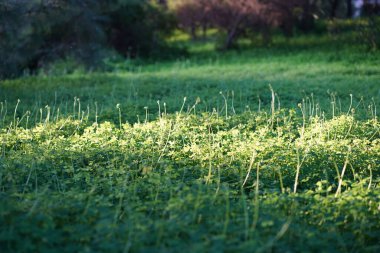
<point>34,33</point>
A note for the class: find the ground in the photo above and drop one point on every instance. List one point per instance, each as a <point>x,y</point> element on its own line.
<point>258,150</point>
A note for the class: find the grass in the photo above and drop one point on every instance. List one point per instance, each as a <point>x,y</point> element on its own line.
<point>295,70</point>
<point>198,154</point>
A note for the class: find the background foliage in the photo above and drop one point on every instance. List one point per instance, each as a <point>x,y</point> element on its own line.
<point>36,33</point>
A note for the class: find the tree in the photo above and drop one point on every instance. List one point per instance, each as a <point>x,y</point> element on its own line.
<point>136,28</point>
<point>35,33</point>
<point>231,17</point>
<point>193,14</point>
<point>334,7</point>
<point>293,13</point>
<point>236,18</point>
<point>350,9</point>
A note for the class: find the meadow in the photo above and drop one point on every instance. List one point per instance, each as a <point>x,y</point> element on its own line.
<point>264,149</point>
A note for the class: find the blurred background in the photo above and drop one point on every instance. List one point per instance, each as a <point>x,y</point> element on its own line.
<point>38,34</point>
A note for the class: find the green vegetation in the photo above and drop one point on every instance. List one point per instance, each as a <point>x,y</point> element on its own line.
<point>199,154</point>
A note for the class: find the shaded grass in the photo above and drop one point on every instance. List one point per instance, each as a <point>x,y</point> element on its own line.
<point>295,72</point>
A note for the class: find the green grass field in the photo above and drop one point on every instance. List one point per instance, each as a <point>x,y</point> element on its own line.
<point>270,149</point>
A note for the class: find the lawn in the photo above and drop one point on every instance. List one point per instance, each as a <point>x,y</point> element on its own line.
<point>264,149</point>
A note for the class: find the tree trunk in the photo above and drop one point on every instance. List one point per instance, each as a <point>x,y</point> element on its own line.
<point>266,35</point>
<point>349,9</point>
<point>204,31</point>
<point>232,32</point>
<point>334,8</point>
<point>193,32</point>
<point>307,21</point>
<point>230,39</point>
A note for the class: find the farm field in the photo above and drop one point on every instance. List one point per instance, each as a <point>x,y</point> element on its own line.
<point>271,149</point>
